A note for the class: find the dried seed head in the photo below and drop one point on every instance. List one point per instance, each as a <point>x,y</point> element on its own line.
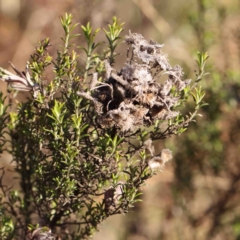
<point>149,146</point>
<point>159,162</point>
<point>166,155</point>
<point>155,163</point>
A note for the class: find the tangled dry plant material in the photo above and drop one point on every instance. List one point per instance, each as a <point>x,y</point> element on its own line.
<point>134,97</point>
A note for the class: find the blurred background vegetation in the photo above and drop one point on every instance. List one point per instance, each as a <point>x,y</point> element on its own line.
<point>197,195</point>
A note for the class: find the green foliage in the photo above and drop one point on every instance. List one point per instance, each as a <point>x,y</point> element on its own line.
<point>113,36</point>
<point>82,148</point>
<point>6,225</point>
<point>201,61</point>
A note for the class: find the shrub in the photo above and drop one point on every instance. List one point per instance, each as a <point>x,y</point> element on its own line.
<point>82,142</point>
